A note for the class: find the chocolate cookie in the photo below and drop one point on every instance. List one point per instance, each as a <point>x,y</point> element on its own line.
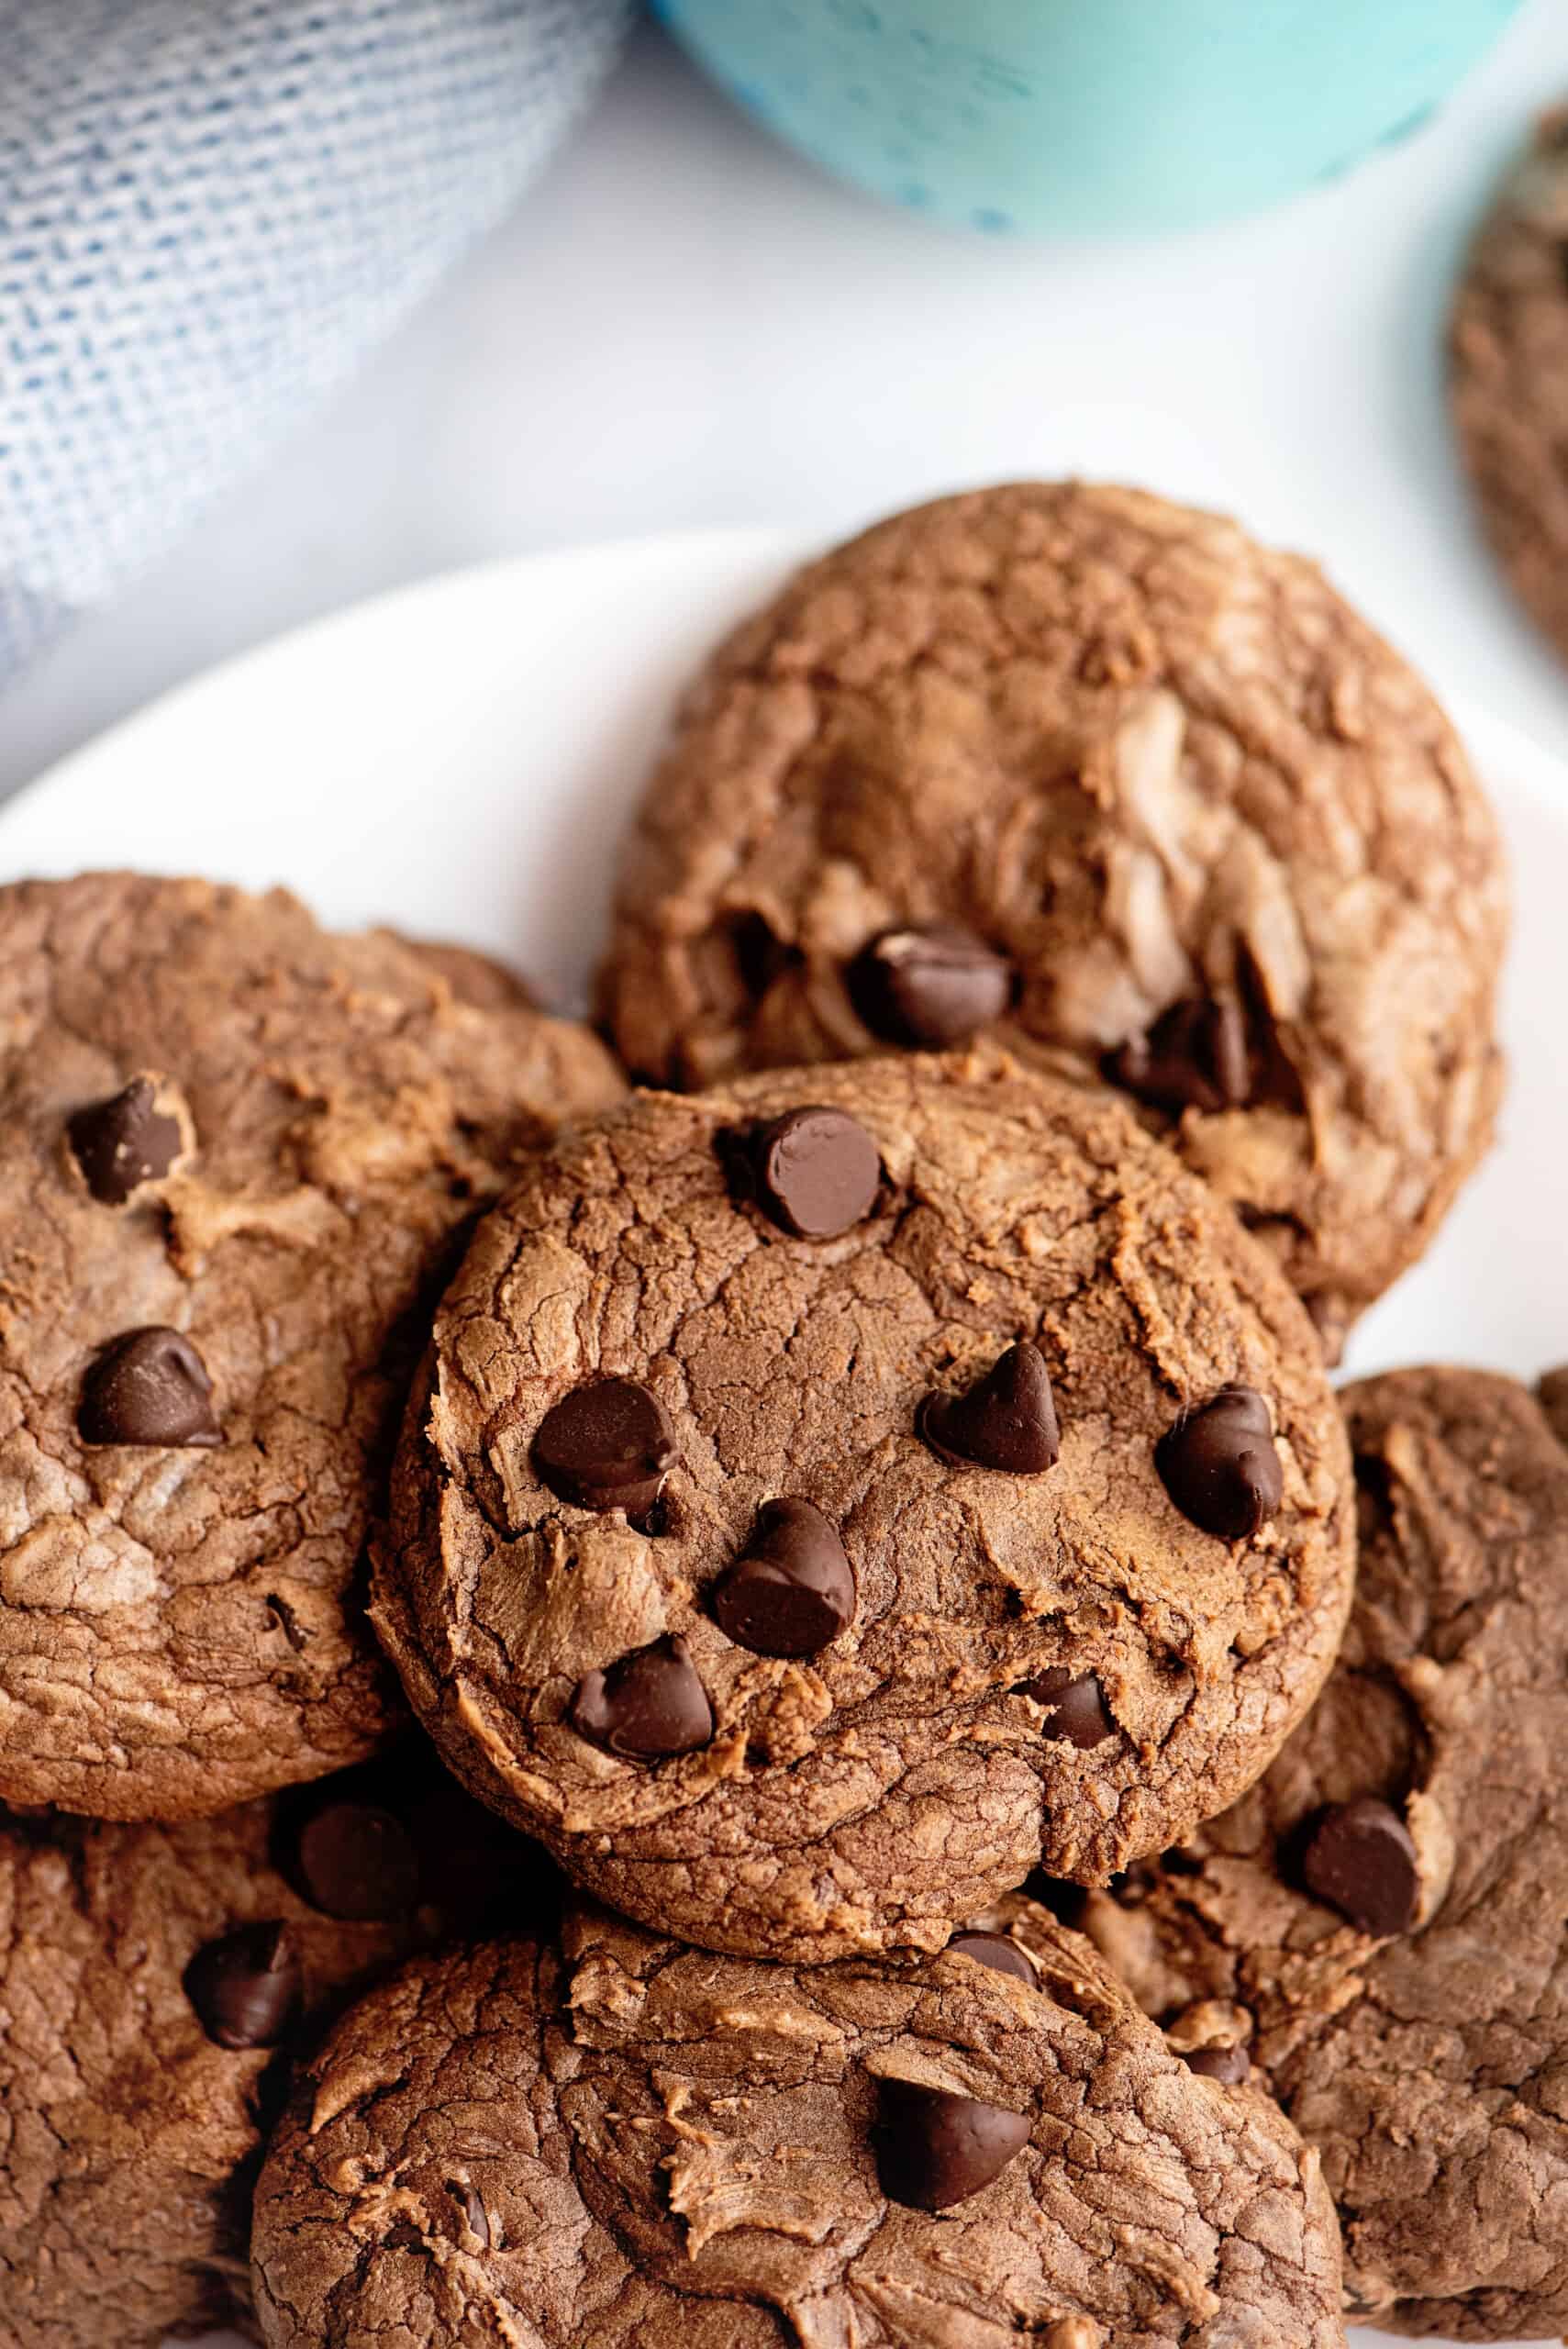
<point>1508,375</point>
<point>630,2142</point>
<point>154,1981</point>
<point>827,1496</point>
<point>1105,776</point>
<point>239,1154</point>
<point>1379,1926</point>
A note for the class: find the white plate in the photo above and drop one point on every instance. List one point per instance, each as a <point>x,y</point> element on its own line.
<point>459,759</point>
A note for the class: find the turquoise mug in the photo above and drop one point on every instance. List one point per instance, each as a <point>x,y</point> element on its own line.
<point>1073,116</point>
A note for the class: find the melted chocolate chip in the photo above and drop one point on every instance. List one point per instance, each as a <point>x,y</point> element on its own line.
<point>1008,1421</point>
<point>357,1862</point>
<point>247,1988</point>
<point>1219,1465</point>
<point>816,1171</point>
<point>649,1705</point>
<point>1195,1057</point>
<point>1228,2066</point>
<point>791,1590</point>
<point>149,1387</point>
<point>1360,1860</point>
<point>936,2149</point>
<point>1075,1707</point>
<point>929,987</point>
<point>606,1446</point>
<point>121,1143</point>
<point>1000,1951</point>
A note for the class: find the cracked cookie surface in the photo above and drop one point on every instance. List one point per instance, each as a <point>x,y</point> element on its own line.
<point>239,1154</point>
<point>876,1579</point>
<point>128,2135</point>
<point>1508,376</point>
<point>1214,835</point>
<point>629,2142</point>
<point>1427,2061</point>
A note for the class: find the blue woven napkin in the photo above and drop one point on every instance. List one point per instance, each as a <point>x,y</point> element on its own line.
<point>209,210</point>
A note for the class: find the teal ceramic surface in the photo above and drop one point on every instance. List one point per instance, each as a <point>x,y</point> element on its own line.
<point>1073,116</point>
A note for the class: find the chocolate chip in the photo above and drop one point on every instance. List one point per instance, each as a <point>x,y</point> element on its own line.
<point>1075,1707</point>
<point>149,1387</point>
<point>471,2210</point>
<point>929,987</point>
<point>247,1987</point>
<point>1360,1860</point>
<point>792,1590</point>
<point>1006,1421</point>
<point>1228,2066</point>
<point>356,1861</point>
<point>816,1171</point>
<point>1195,1057</point>
<point>1000,1951</point>
<point>606,1446</point>
<point>403,2235</point>
<point>649,1705</point>
<point>1219,1465</point>
<point>936,2149</point>
<point>124,1142</point>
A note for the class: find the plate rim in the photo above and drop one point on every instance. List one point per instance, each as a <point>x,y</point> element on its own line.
<point>1489,737</point>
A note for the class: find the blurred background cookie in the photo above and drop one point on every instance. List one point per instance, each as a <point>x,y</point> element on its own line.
<point>1508,375</point>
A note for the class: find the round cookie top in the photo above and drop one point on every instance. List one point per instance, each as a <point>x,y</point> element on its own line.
<point>238,1154</point>
<point>1508,375</point>
<point>152,1982</point>
<point>629,2141</point>
<point>1381,1920</point>
<point>803,1592</point>
<point>1105,775</point>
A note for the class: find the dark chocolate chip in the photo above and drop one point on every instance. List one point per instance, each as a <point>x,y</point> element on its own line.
<point>1219,1465</point>
<point>357,1862</point>
<point>606,1446</point>
<point>124,1142</point>
<point>791,1591</point>
<point>648,1705</point>
<point>471,2210</point>
<point>247,1988</point>
<point>1360,1860</point>
<point>816,1171</point>
<point>1006,1421</point>
<point>1195,1057</point>
<point>936,2149</point>
<point>1228,2066</point>
<point>929,987</point>
<point>403,2235</point>
<point>149,1387</point>
<point>1075,1707</point>
<point>1000,1951</point>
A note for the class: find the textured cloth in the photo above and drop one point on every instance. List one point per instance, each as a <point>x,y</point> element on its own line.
<point>208,210</point>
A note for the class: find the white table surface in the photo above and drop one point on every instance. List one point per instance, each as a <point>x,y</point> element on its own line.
<point>683,325</point>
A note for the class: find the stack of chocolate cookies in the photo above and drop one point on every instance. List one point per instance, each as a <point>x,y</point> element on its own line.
<point>870,1509</point>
